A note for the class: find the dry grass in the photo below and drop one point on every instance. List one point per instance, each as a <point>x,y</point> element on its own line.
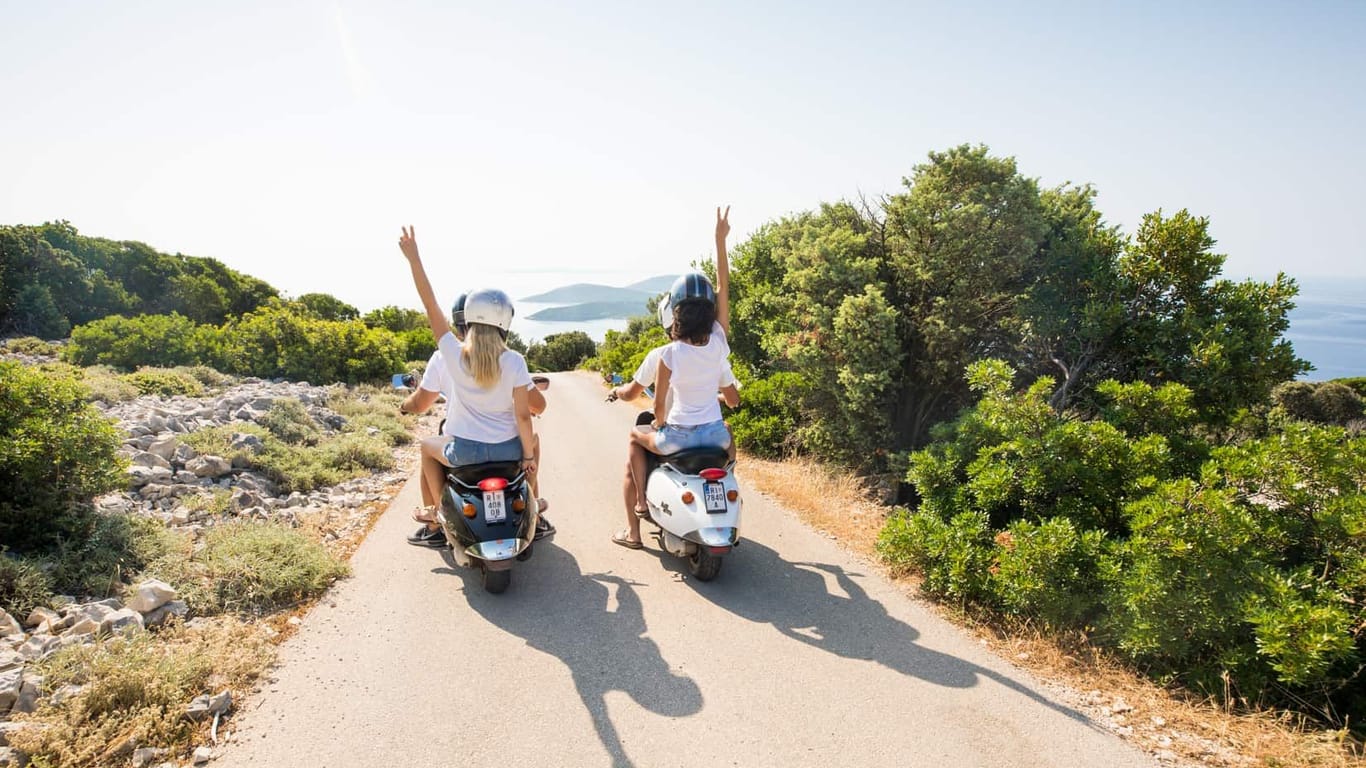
<point>134,690</point>
<point>1170,724</point>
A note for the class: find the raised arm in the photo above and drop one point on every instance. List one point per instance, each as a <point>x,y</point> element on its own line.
<point>722,270</point>
<point>435,316</point>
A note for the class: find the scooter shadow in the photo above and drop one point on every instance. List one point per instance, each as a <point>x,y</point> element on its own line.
<point>757,584</point>
<point>559,610</point>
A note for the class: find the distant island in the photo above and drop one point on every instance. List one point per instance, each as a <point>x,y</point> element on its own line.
<point>592,301</point>
<point>590,310</point>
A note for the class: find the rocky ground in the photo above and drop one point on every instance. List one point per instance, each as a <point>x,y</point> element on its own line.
<point>168,480</point>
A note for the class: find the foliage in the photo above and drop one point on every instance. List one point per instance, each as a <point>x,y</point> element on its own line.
<point>98,560</point>
<point>145,340</point>
<point>255,568</point>
<point>880,307</point>
<point>30,345</point>
<point>326,307</point>
<point>1047,571</point>
<point>289,420</point>
<point>1327,402</point>
<point>57,452</point>
<point>55,278</point>
<point>622,352</point>
<point>105,383</point>
<point>167,382</point>
<point>766,421</point>
<point>24,585</point>
<point>561,351</point>
<point>1236,569</point>
<point>134,689</point>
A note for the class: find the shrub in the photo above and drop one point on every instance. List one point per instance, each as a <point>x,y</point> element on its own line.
<point>1048,571</point>
<point>954,557</point>
<point>1337,403</point>
<point>290,421</point>
<point>106,384</point>
<point>767,419</point>
<point>97,561</point>
<point>145,340</point>
<point>30,345</point>
<point>165,382</point>
<point>205,375</point>
<point>56,453</point>
<point>23,585</point>
<point>255,568</point>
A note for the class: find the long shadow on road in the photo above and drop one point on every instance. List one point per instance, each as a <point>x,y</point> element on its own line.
<point>759,585</point>
<point>561,611</point>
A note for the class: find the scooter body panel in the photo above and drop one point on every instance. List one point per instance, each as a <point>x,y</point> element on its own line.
<point>687,524</point>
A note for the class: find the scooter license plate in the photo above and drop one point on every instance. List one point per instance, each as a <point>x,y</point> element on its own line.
<point>714,495</point>
<point>495,507</point>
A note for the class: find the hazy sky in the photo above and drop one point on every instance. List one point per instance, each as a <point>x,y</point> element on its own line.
<point>292,139</point>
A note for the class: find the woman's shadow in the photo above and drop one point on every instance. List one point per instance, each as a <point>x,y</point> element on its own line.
<point>759,585</point>
<point>557,609</point>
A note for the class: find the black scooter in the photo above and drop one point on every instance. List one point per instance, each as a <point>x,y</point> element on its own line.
<point>487,512</point>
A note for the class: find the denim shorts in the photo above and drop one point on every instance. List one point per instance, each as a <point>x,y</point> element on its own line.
<point>462,452</point>
<point>672,438</point>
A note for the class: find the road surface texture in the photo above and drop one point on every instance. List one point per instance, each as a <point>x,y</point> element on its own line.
<point>602,656</point>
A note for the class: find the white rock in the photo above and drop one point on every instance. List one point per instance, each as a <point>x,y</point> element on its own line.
<point>183,453</point>
<point>149,459</point>
<point>202,755</point>
<point>9,659</point>
<point>180,516</point>
<point>11,684</point>
<point>8,625</point>
<point>85,626</point>
<point>28,696</point>
<point>39,646</point>
<point>159,616</point>
<point>1120,707</point>
<point>209,466</point>
<point>121,619</point>
<point>146,756</point>
<point>150,595</point>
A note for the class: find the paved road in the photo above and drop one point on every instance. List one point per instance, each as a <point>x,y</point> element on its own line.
<point>601,656</point>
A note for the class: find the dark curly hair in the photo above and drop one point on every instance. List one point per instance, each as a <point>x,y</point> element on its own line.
<point>693,321</point>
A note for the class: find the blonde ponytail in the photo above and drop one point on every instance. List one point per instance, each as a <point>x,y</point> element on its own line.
<point>483,347</point>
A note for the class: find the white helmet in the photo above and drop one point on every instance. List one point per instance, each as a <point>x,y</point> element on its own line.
<point>666,312</point>
<point>489,306</point>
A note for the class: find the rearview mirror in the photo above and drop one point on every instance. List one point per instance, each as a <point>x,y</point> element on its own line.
<point>541,382</point>
<point>404,381</point>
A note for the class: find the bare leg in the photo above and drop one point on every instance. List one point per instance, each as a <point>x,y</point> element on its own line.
<point>629,496</point>
<point>433,476</point>
<point>536,476</point>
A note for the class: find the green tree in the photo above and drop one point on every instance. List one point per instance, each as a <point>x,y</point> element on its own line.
<point>561,351</point>
<point>326,307</point>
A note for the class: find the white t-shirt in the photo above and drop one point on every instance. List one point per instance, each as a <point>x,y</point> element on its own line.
<point>475,413</point>
<point>694,372</point>
<point>645,374</point>
<point>437,379</point>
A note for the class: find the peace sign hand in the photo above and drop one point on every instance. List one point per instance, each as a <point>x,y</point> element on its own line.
<point>408,243</point>
<point>722,223</point>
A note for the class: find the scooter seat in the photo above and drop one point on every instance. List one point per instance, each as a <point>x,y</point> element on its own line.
<point>471,474</point>
<point>694,460</point>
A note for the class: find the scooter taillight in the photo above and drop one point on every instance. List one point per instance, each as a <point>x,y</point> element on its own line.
<point>493,484</point>
<point>712,474</point>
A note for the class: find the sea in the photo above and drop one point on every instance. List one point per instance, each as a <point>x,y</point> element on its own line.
<point>1327,326</point>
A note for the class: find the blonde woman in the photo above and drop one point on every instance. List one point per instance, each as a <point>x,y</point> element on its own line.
<point>490,419</point>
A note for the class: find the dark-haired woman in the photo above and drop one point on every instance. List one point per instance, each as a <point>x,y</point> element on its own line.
<point>687,412</point>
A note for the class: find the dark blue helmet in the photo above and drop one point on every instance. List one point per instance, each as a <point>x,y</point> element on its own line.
<point>458,312</point>
<point>692,286</point>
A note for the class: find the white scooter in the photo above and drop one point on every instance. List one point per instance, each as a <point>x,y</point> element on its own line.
<point>694,498</point>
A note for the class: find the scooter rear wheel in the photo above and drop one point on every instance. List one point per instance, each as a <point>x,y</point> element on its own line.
<point>703,565</point>
<point>495,582</point>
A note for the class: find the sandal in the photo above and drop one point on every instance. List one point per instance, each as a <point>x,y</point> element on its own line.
<point>418,516</point>
<point>642,512</point>
<point>542,505</point>
<point>623,539</point>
